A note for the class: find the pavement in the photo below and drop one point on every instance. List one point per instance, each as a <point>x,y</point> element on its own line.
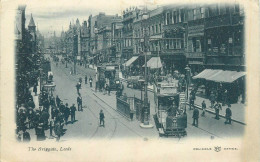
<point>36,102</point>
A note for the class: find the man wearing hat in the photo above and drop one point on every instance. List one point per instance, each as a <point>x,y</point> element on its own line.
<point>72,112</point>
<point>228,115</point>
<point>101,118</point>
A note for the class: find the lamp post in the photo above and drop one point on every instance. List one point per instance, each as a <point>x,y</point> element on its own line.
<point>75,51</point>
<point>146,123</point>
<point>66,61</point>
<point>187,81</point>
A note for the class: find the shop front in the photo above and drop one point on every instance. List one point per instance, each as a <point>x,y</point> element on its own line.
<point>224,84</point>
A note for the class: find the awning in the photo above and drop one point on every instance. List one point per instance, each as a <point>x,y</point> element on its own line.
<point>219,75</point>
<point>154,63</point>
<point>130,61</point>
<point>207,73</point>
<point>227,76</point>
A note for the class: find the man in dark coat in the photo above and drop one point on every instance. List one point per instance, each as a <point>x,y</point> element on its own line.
<point>58,130</point>
<point>31,104</point>
<point>72,112</point>
<point>66,113</point>
<point>101,118</point>
<point>45,116</point>
<point>62,107</point>
<point>203,105</point>
<point>217,108</point>
<point>86,79</point>
<point>79,102</point>
<point>191,102</point>
<point>195,117</point>
<point>228,115</point>
<point>35,89</point>
<point>90,81</point>
<point>78,87</point>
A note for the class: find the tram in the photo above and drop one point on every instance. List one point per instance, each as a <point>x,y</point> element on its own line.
<point>108,74</point>
<point>170,109</point>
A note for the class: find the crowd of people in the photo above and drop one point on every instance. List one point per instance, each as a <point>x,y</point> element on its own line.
<point>51,115</point>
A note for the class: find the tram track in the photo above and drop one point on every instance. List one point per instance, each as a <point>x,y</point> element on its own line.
<point>107,106</point>
<point>113,130</point>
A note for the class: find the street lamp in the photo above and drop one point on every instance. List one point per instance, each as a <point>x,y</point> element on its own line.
<point>187,80</point>
<point>146,123</point>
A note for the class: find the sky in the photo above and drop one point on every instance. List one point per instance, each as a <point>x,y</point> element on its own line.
<point>51,16</point>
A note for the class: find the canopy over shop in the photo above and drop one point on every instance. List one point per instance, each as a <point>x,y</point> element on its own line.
<point>132,66</point>
<point>154,63</point>
<point>219,81</point>
<point>130,61</point>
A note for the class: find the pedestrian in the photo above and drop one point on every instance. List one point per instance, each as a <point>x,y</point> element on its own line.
<point>228,115</point>
<point>203,105</point>
<point>86,79</point>
<point>45,116</point>
<point>191,102</point>
<point>108,89</point>
<point>66,113</point>
<point>62,107</point>
<point>195,117</point>
<point>24,136</point>
<point>78,87</point>
<point>58,130</point>
<point>72,113</point>
<point>224,100</point>
<point>101,118</point>
<point>131,115</point>
<point>39,129</point>
<point>217,108</point>
<point>90,81</point>
<point>35,89</point>
<point>58,101</point>
<point>51,127</point>
<point>212,99</point>
<point>79,102</point>
<point>71,70</point>
<point>30,118</point>
<point>31,103</point>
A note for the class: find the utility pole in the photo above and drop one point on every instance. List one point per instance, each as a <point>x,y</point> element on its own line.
<point>146,108</point>
<point>75,51</point>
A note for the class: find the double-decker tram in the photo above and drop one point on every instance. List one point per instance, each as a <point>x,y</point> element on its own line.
<point>170,109</point>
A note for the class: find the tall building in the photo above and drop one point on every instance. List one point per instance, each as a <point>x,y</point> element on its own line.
<point>32,31</point>
<point>84,40</point>
<point>100,36</point>
<point>117,43</point>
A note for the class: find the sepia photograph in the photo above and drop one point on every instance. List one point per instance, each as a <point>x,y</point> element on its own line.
<point>131,71</point>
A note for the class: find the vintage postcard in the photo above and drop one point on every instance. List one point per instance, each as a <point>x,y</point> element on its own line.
<point>123,80</point>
